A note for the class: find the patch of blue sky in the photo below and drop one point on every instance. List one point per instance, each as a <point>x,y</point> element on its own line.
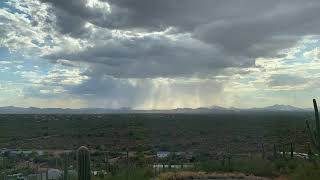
<point>16,64</point>
<point>4,53</point>
<point>299,56</point>
<point>12,9</point>
<point>39,66</point>
<point>10,76</point>
<point>4,4</point>
<point>247,79</point>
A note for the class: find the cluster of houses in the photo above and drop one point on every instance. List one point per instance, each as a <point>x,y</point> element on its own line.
<point>166,154</point>
<point>15,152</point>
<point>44,173</point>
<point>160,161</point>
<point>163,156</point>
<point>52,174</point>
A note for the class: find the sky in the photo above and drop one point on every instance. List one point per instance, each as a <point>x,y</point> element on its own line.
<point>152,54</point>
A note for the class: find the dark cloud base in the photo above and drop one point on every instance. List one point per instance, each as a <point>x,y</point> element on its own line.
<point>124,41</point>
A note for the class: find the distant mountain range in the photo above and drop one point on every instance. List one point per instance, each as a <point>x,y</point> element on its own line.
<point>201,110</point>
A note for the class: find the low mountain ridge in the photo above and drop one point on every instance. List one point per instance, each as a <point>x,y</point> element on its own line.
<point>212,109</point>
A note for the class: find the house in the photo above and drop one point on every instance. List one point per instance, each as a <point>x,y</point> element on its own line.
<point>19,152</point>
<point>54,174</point>
<point>16,176</point>
<point>162,154</point>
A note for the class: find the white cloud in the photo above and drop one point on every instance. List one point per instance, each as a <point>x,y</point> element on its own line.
<point>58,75</point>
<point>313,54</point>
<point>5,62</point>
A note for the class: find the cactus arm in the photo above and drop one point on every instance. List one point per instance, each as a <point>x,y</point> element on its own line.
<point>311,134</point>
<point>317,143</point>
<point>274,151</point>
<point>315,133</point>
<point>291,150</point>
<point>316,113</point>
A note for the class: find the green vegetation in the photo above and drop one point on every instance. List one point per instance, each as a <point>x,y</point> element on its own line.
<point>293,169</point>
<point>132,174</point>
<point>305,171</point>
<point>258,167</point>
<point>169,132</point>
<point>124,145</point>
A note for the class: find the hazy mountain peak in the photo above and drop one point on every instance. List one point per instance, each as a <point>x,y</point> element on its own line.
<point>282,107</point>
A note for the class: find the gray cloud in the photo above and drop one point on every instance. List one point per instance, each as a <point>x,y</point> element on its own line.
<point>277,80</point>
<point>155,56</point>
<point>137,14</point>
<point>186,15</point>
<point>264,33</point>
<point>241,30</point>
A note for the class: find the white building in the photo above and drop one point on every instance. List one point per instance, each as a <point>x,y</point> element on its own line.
<point>54,174</point>
<point>163,154</point>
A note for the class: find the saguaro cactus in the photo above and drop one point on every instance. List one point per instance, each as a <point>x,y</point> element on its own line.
<point>107,161</point>
<point>291,150</point>
<point>274,151</point>
<point>47,173</point>
<point>263,151</point>
<point>84,172</point>
<point>315,132</point>
<point>309,151</point>
<point>65,168</point>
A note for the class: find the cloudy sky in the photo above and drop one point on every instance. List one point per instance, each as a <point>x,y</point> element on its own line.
<point>159,54</point>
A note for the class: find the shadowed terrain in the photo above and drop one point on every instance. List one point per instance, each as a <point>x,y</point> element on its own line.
<point>236,132</point>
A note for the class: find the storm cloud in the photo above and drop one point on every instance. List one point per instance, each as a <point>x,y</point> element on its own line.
<point>129,51</point>
<point>204,37</point>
